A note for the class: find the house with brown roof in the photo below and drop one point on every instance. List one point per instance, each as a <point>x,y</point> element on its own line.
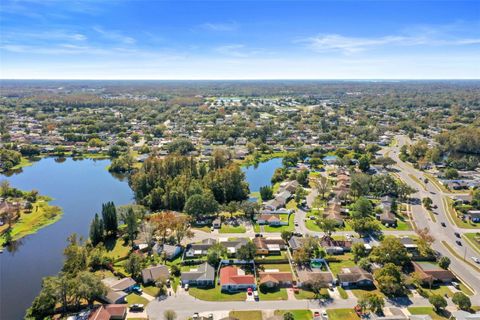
<point>355,276</point>
<point>431,273</point>
<point>155,273</point>
<point>333,246</point>
<point>267,246</point>
<point>234,279</point>
<point>109,312</point>
<point>275,279</point>
<point>308,276</point>
<point>334,212</point>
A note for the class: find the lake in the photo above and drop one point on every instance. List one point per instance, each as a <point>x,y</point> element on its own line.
<point>260,175</point>
<point>79,187</point>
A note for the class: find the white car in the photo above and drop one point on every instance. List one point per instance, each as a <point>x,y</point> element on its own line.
<point>476,259</point>
<point>324,315</point>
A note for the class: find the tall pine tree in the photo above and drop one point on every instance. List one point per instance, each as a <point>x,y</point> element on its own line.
<point>109,215</point>
<point>96,230</point>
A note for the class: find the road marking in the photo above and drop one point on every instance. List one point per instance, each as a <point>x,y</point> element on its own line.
<point>452,251</point>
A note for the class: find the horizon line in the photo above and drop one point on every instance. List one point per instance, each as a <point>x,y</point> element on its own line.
<point>241,79</point>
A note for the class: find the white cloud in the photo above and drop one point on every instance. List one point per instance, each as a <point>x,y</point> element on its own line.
<point>114,35</point>
<point>349,45</point>
<point>219,26</point>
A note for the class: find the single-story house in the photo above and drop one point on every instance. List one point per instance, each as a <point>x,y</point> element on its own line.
<point>333,246</point>
<point>409,244</point>
<point>199,249</point>
<point>334,212</point>
<point>217,223</point>
<point>308,276</point>
<point>275,279</point>
<point>295,242</point>
<point>355,276</point>
<point>431,273</point>
<point>268,246</point>
<point>203,275</point>
<point>156,273</point>
<point>271,219</point>
<point>117,289</point>
<point>233,279</point>
<point>170,251</point>
<point>233,245</point>
<point>290,186</point>
<point>474,215</point>
<point>109,312</point>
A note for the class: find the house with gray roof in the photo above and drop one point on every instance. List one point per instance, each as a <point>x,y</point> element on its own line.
<point>155,273</point>
<point>202,275</point>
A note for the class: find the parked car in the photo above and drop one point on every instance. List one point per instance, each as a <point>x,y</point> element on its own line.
<point>476,259</point>
<point>137,289</point>
<point>443,224</point>
<point>456,285</point>
<point>297,234</point>
<point>186,287</point>
<point>255,295</point>
<point>459,242</point>
<point>324,315</point>
<point>258,235</point>
<point>316,314</point>
<point>137,307</point>
<point>196,316</point>
<point>168,283</point>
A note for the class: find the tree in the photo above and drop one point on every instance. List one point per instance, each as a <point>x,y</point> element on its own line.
<point>385,162</point>
<point>362,208</point>
<point>169,315</point>
<point>322,186</point>
<point>437,301</point>
<point>247,252</point>
<point>373,301</point>
<point>89,287</point>
<point>134,264</point>
<point>288,316</point>
<point>302,177</point>
<point>327,225</point>
<point>96,230</point>
<point>181,228</point>
<point>390,250</point>
<point>462,301</point>
<point>109,216</point>
<point>76,257</point>
<point>286,235</point>
<point>266,193</point>
<point>181,146</point>
<point>132,224</point>
<point>44,304</point>
<point>199,205</point>
<point>364,226</point>
<point>300,194</point>
<point>364,163</point>
<point>451,173</point>
<point>427,203</point>
<point>390,280</point>
<point>444,262</point>
<point>359,251</point>
<point>215,253</point>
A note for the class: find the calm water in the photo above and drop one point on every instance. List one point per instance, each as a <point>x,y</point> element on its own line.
<point>260,175</point>
<point>79,187</point>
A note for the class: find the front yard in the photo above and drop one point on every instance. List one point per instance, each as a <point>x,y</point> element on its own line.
<point>342,314</point>
<point>232,229</point>
<point>215,294</point>
<point>429,311</point>
<point>272,294</point>
<point>246,315</point>
<point>297,314</point>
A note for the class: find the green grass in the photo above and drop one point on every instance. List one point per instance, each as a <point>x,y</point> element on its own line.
<point>215,294</point>
<point>440,290</point>
<point>471,239</point>
<point>246,315</point>
<point>362,292</point>
<point>466,289</point>
<point>116,248</point>
<point>441,187</point>
<point>284,267</point>
<point>231,229</point>
<point>304,294</point>
<point>342,314</point>
<point>426,310</point>
<point>250,160</point>
<point>151,290</point>
<point>336,267</point>
<point>297,314</point>
<point>42,215</point>
<point>24,162</point>
<point>133,298</point>
<point>343,293</point>
<point>273,294</point>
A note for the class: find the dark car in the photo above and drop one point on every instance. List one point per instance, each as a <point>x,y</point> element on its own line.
<point>443,224</point>
<point>457,234</point>
<point>136,307</point>
<point>258,235</point>
<point>458,242</point>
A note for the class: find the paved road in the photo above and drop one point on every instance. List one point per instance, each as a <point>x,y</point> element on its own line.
<point>422,219</point>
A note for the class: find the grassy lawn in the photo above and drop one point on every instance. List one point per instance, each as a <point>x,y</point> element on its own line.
<point>116,248</point>
<point>133,298</point>
<point>471,238</point>
<point>282,255</point>
<point>427,310</point>
<point>342,314</point>
<point>361,292</point>
<point>102,274</point>
<point>273,294</point>
<point>24,162</point>
<point>441,290</point>
<point>305,294</point>
<point>297,314</point>
<point>440,186</point>
<point>246,315</point>
<point>465,289</point>
<point>448,204</point>
<point>151,290</point>
<point>232,229</point>
<point>336,267</point>
<point>284,267</point>
<point>42,215</point>
<point>215,294</point>
<point>343,293</point>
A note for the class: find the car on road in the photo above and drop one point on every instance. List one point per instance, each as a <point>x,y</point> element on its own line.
<point>258,235</point>
<point>297,234</point>
<point>459,242</point>
<point>296,224</point>
<point>137,307</point>
<point>457,234</point>
<point>186,287</point>
<point>435,206</point>
<point>476,259</point>
<point>432,192</point>
<point>443,224</point>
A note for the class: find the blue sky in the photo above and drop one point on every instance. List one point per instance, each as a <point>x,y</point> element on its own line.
<point>114,39</point>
